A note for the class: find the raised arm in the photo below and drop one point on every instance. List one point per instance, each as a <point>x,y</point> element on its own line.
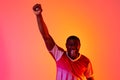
<point>42,27</point>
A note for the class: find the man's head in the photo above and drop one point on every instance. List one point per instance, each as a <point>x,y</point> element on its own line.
<point>73,46</point>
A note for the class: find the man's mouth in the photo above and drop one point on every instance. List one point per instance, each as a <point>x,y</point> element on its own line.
<point>73,51</point>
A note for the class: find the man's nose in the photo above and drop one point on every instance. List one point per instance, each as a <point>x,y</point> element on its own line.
<point>73,47</point>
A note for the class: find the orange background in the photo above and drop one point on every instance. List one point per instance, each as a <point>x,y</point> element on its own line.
<point>23,55</point>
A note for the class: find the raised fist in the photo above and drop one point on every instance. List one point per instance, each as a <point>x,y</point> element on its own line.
<point>37,9</point>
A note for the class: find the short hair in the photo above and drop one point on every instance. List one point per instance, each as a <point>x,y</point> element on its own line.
<point>73,38</point>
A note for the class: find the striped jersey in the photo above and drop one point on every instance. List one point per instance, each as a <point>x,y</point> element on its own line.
<point>69,69</point>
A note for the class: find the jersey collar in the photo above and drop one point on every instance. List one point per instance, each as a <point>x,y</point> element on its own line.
<point>73,60</point>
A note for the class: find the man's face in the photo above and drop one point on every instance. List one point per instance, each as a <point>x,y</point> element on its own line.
<point>73,47</point>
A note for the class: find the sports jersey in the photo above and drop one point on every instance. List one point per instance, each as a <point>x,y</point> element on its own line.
<point>69,69</point>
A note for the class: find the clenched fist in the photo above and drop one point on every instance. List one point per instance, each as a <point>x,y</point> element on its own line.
<point>37,9</point>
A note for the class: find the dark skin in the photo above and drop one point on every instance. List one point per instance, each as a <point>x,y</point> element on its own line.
<point>72,45</point>
<point>43,28</point>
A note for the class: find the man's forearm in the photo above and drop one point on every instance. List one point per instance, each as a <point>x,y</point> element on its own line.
<point>42,26</point>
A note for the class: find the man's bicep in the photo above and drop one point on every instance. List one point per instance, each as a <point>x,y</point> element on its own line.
<point>49,43</point>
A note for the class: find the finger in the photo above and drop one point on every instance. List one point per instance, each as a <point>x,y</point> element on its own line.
<point>36,7</point>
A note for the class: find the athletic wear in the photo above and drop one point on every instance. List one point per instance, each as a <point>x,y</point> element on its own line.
<point>68,69</point>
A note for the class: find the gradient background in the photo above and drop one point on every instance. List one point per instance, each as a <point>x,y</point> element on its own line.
<point>23,55</point>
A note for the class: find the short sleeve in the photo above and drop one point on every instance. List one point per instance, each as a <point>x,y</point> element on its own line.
<point>56,52</point>
<point>89,71</point>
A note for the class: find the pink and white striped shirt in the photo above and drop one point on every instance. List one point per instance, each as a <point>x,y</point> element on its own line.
<point>68,69</point>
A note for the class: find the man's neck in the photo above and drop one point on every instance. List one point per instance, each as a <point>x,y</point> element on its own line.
<point>73,58</point>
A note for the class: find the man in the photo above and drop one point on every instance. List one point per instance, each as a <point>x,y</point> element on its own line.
<point>71,65</point>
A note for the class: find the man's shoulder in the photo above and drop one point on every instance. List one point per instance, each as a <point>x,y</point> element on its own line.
<point>84,58</point>
<point>60,48</point>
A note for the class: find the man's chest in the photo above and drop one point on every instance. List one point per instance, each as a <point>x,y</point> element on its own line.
<point>77,67</point>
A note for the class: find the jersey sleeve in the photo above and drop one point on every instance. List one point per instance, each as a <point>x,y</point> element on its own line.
<point>89,71</point>
<point>56,52</point>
